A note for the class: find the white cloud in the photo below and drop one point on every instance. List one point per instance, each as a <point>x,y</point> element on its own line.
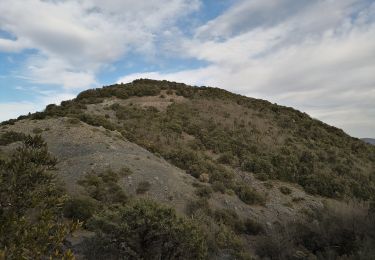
<point>14,109</point>
<point>75,39</point>
<point>318,57</point>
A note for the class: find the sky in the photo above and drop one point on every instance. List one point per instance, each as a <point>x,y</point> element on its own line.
<point>317,56</point>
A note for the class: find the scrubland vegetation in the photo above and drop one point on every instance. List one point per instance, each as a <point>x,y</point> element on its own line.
<point>217,137</point>
<point>31,223</point>
<point>272,141</point>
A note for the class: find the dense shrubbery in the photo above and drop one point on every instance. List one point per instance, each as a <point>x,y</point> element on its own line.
<point>31,224</point>
<point>248,195</point>
<point>274,142</point>
<point>104,187</point>
<point>11,137</point>
<point>80,208</point>
<point>145,230</point>
<point>224,229</point>
<point>130,229</point>
<point>331,233</point>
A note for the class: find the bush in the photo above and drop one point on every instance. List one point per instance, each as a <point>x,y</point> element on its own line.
<point>229,218</point>
<point>204,191</point>
<point>252,227</point>
<point>73,121</point>
<point>200,205</point>
<point>31,223</point>
<point>96,120</point>
<point>143,187</point>
<point>11,137</point>
<point>248,195</point>
<point>227,158</point>
<point>285,190</point>
<point>37,130</point>
<point>337,231</point>
<point>104,187</point>
<point>218,186</point>
<point>80,208</point>
<point>145,230</point>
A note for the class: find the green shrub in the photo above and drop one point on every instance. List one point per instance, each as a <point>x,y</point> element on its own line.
<point>31,223</point>
<point>229,218</point>
<point>145,230</point>
<point>227,158</point>
<point>143,187</point>
<point>104,187</point>
<point>285,190</point>
<point>73,121</point>
<point>96,120</point>
<point>342,231</point>
<point>11,137</point>
<point>218,186</point>
<point>248,195</point>
<point>200,205</point>
<point>80,208</point>
<point>37,130</point>
<point>252,227</point>
<point>204,191</point>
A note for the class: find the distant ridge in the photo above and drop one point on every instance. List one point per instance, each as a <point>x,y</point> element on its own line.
<point>369,140</point>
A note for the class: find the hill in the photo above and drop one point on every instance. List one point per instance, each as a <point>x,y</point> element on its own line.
<point>369,140</point>
<point>248,171</point>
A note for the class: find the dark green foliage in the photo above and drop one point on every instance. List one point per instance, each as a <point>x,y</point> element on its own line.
<point>257,165</point>
<point>200,205</point>
<point>232,220</point>
<point>285,190</point>
<point>96,120</point>
<point>145,230</point>
<point>332,233</point>
<point>248,195</point>
<point>143,187</point>
<point>80,208</point>
<point>93,96</point>
<point>227,158</point>
<point>104,187</point>
<point>251,227</point>
<point>229,218</point>
<point>11,137</point>
<point>324,184</point>
<point>31,224</point>
<point>204,191</point>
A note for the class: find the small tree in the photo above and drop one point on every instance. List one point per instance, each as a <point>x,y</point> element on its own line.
<point>145,230</point>
<point>31,224</point>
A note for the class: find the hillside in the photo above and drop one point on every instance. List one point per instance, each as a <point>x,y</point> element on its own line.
<point>245,169</point>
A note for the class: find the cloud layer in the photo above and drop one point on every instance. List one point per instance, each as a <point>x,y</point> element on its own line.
<point>315,55</point>
<point>75,39</point>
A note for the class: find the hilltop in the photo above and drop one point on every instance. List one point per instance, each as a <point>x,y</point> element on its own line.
<point>249,172</point>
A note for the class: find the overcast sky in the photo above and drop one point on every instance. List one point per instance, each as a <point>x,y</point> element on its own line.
<point>315,55</point>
